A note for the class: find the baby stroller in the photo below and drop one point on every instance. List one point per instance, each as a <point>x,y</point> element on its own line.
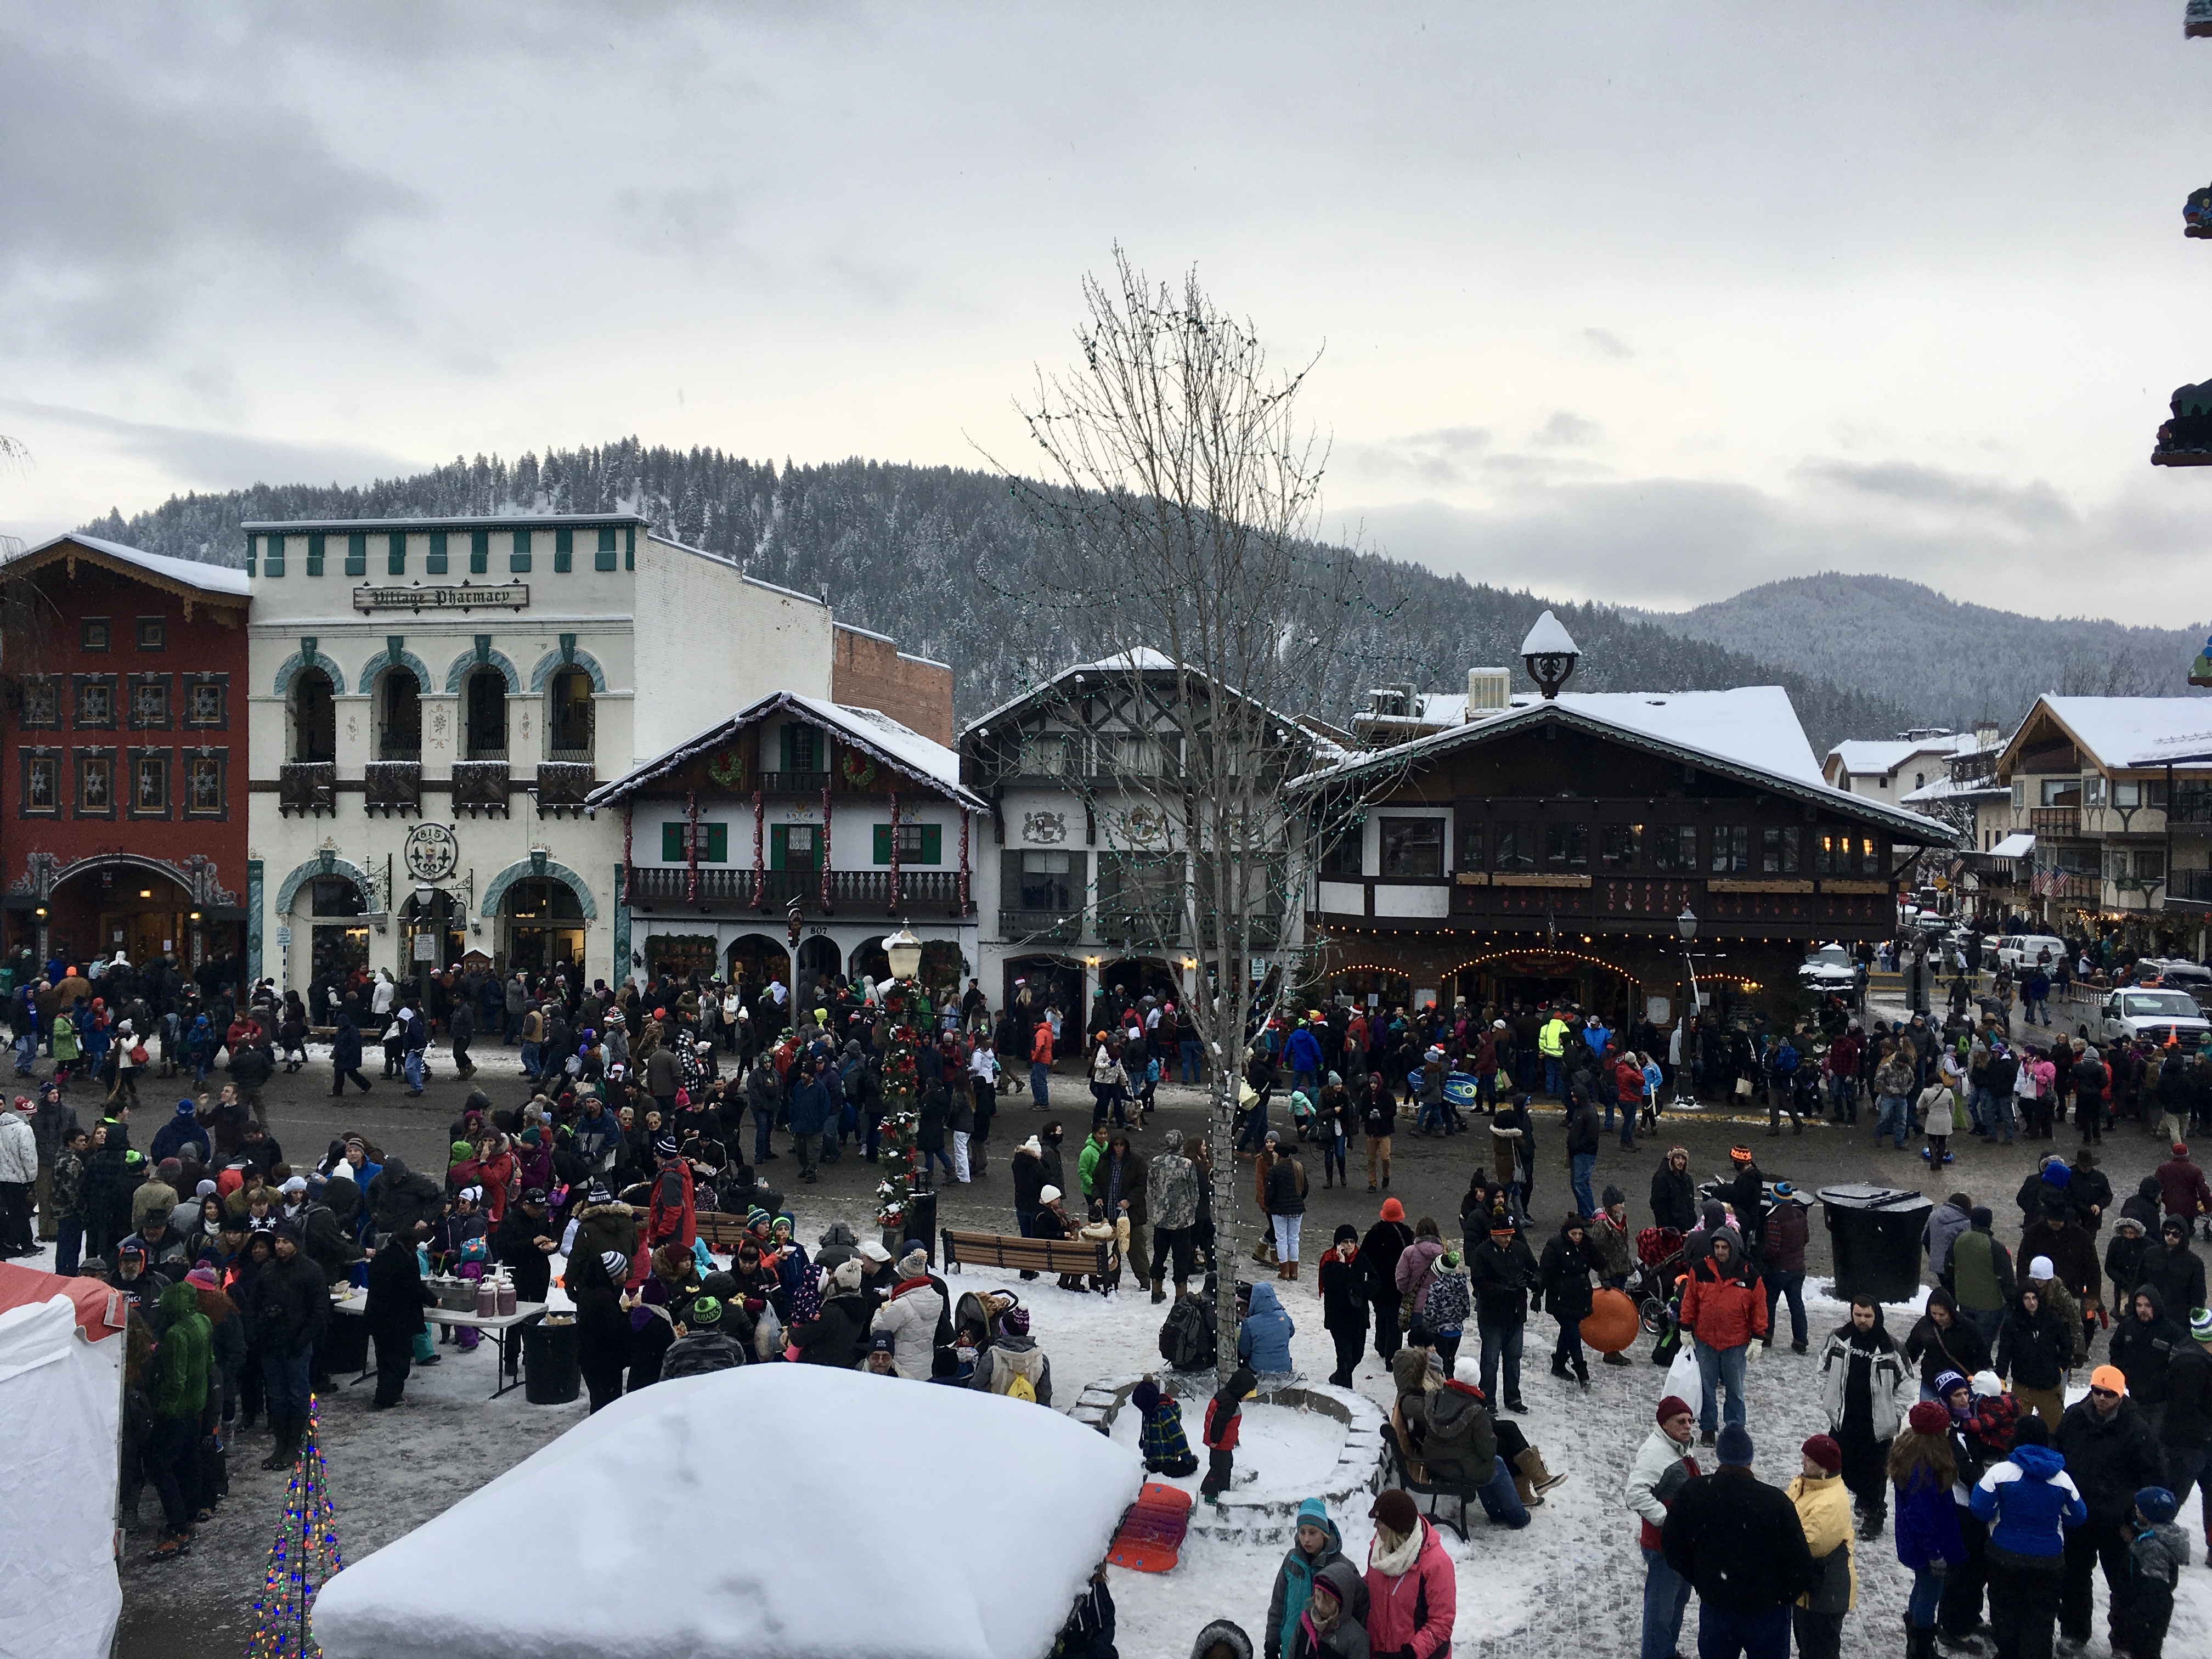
<point>1656,1287</point>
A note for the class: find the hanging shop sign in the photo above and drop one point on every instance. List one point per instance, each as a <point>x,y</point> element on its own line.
<point>458,596</point>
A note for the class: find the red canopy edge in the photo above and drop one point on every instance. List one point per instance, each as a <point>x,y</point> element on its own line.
<point>99,1310</point>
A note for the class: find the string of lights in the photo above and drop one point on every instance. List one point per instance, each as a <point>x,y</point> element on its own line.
<point>302,1559</point>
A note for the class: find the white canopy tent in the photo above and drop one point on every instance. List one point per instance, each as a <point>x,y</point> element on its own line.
<point>61,1386</point>
<point>879,1519</point>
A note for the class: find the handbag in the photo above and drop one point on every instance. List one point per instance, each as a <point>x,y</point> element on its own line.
<point>137,1056</point>
<point>1743,1088</point>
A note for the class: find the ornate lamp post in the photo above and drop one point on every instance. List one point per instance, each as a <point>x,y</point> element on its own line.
<point>902,997</point>
<point>1685,925</point>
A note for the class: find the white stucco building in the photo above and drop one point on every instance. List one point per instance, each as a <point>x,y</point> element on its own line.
<point>433,700</point>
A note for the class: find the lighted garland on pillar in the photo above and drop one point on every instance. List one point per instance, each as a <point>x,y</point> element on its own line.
<point>894,1192</point>
<point>301,1559</point>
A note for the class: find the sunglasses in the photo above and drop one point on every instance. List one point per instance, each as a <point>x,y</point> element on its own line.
<point>2103,1394</point>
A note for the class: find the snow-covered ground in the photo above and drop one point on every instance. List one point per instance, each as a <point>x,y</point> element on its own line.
<point>1571,1580</point>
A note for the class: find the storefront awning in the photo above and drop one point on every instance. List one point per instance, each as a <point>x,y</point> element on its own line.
<point>2014,846</point>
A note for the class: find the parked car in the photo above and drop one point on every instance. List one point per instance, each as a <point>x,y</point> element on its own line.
<point>2019,952</point>
<point>2135,1015</point>
<point>2179,974</point>
<point>1828,968</point>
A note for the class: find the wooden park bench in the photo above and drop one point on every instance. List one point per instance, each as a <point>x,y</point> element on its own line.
<point>1040,1256</point>
<point>720,1232</point>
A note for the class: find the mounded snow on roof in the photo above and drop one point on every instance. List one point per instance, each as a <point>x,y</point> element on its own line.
<point>901,743</point>
<point>1549,637</point>
<point>1866,756</point>
<point>209,578</point>
<point>2136,732</point>
<point>2014,846</point>
<point>1947,788</point>
<point>909,1521</point>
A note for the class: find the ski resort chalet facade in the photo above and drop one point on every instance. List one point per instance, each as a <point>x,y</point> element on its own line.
<point>1548,846</point>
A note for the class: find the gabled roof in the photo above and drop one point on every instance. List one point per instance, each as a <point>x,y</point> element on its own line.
<point>2126,733</point>
<point>1878,757</point>
<point>1144,659</point>
<point>1948,788</point>
<point>1750,733</point>
<point>220,581</point>
<point>874,733</point>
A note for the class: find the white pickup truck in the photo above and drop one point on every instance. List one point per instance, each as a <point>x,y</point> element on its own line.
<point>2134,1015</point>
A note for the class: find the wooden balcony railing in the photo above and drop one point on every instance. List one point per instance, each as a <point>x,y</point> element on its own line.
<point>307,787</point>
<point>921,893</point>
<point>392,787</point>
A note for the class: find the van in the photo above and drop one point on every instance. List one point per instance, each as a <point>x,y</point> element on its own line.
<point>2021,951</point>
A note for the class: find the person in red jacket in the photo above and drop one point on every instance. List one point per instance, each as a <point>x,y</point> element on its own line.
<point>672,1214</point>
<point>1412,1598</point>
<point>2181,1187</point>
<point>1723,1309</point>
<point>1224,1420</point>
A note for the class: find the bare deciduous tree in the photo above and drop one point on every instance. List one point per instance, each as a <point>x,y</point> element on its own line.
<point>1186,490</point>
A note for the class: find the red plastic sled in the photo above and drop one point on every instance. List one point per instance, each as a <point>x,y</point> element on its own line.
<point>1151,1533</point>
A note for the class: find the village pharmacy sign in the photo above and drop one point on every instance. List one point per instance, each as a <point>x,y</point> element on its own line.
<point>461,596</point>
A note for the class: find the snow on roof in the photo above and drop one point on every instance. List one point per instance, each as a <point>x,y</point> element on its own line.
<point>2017,846</point>
<point>226,580</point>
<point>866,1481</point>
<point>1948,788</point>
<point>1549,637</point>
<point>869,729</point>
<point>1865,757</point>
<point>1751,730</point>
<point>1142,659</point>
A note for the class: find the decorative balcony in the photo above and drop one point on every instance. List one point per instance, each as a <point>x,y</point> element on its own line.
<point>793,783</point>
<point>2191,887</point>
<point>563,784</point>
<point>480,786</point>
<point>2054,821</point>
<point>308,787</point>
<point>392,787</point>
<point>1041,927</point>
<point>923,895</point>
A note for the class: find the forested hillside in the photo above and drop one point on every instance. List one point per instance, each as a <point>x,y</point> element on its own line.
<point>948,562</point>
<point>1948,661</point>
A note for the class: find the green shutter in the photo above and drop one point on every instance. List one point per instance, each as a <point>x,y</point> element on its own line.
<point>249,555</point>
<point>479,552</point>
<point>273,565</point>
<point>779,845</point>
<point>357,554</point>
<point>564,550</point>
<point>672,843</point>
<point>605,560</point>
<point>433,562</point>
<point>314,555</point>
<point>883,843</point>
<point>630,548</point>
<point>718,844</point>
<point>395,553</point>
<point>933,844</point>
<point>783,737</point>
<point>518,561</point>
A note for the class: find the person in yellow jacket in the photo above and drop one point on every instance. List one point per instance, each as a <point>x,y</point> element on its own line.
<point>1551,1044</point>
<point>1824,1510</point>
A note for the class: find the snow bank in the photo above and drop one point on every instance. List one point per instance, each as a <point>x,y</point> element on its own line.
<point>858,1477</point>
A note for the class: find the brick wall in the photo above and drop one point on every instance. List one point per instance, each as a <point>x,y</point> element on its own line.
<point>867,671</point>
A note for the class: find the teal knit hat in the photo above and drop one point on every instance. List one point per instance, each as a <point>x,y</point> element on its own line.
<point>2199,1324</point>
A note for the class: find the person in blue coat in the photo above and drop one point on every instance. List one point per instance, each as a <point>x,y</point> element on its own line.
<point>1263,1341</point>
<point>345,1055</point>
<point>2027,1501</point>
<point>181,1131</point>
<point>1302,1054</point>
<point>1922,1470</point>
<point>809,1109</point>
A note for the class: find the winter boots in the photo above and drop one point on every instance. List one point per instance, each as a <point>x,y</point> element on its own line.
<point>1534,1477</point>
<point>284,1435</point>
<point>1287,1270</point>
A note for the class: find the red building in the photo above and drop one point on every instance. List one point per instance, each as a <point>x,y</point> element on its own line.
<point>122,814</point>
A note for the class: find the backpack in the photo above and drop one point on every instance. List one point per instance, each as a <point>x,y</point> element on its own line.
<point>1019,1389</point>
<point>1189,1341</point>
<point>852,1083</point>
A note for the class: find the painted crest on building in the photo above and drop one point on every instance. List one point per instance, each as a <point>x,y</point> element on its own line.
<point>433,854</point>
<point>1046,829</point>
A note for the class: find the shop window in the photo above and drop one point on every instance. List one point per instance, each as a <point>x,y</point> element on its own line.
<point>714,840</point>
<point>42,786</point>
<point>1778,850</point>
<point>1513,847</point>
<point>1566,847</point>
<point>918,843</point>
<point>150,701</point>
<point>205,796</point>
<point>1413,847</point>
<point>94,697</point>
<point>95,784</point>
<point>41,708</point>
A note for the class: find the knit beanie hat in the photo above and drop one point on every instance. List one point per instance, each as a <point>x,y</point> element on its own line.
<point>616,1263</point>
<point>1928,1417</point>
<point>914,1264</point>
<point>705,1310</point>
<point>2040,1268</point>
<point>2109,1377</point>
<point>1674,1406</point>
<point>2156,1504</point>
<point>1394,1509</point>
<point>1948,1381</point>
<point>2199,1324</point>
<point>1146,1395</point>
<point>1824,1451</point>
<point>1347,1233</point>
<point>1735,1447</point>
<point>846,1276</point>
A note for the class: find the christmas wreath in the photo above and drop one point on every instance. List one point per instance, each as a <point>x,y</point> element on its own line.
<point>728,768</point>
<point>859,769</point>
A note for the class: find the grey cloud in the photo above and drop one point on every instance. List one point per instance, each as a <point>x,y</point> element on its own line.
<point>211,460</point>
<point>1606,344</point>
<point>2031,506</point>
<point>123,200</point>
<point>1566,429</point>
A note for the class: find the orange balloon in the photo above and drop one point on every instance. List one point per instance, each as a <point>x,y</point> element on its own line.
<point>1612,1324</point>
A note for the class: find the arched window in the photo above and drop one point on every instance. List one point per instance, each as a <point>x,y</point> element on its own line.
<point>568,716</point>
<point>312,717</point>
<point>398,716</point>
<point>485,704</point>
<point>544,924</point>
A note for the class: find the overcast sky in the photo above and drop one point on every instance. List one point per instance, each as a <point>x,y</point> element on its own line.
<point>1637,303</point>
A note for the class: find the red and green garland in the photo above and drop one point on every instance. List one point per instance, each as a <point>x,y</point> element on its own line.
<point>902,1118</point>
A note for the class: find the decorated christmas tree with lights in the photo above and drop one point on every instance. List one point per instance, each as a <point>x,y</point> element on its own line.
<point>301,1559</point>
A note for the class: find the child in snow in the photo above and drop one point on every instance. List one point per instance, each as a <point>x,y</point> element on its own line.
<point>1315,1546</point>
<point>2157,1554</point>
<point>1089,1632</point>
<point>1224,1418</point>
<point>1167,1451</point>
<point>1114,1235</point>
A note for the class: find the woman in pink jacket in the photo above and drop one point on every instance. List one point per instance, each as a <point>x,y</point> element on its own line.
<point>1412,1595</point>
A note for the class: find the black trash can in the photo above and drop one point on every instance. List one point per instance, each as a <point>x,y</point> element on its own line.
<point>552,1370</point>
<point>1875,1234</point>
<point>921,1223</point>
<point>345,1346</point>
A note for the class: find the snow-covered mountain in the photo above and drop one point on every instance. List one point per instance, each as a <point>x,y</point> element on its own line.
<point>951,564</point>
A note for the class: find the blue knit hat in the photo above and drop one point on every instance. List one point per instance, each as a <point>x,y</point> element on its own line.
<point>2157,1505</point>
<point>1735,1447</point>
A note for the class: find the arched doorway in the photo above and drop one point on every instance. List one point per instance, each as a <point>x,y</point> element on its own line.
<point>818,963</point>
<point>337,934</point>
<point>312,715</point>
<point>754,959</point>
<point>120,904</point>
<point>543,921</point>
<point>439,922</point>
<point>1054,980</point>
<point>1533,978</point>
<point>869,961</point>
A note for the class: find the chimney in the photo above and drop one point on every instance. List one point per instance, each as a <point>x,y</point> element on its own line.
<point>1988,734</point>
<point>1487,691</point>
